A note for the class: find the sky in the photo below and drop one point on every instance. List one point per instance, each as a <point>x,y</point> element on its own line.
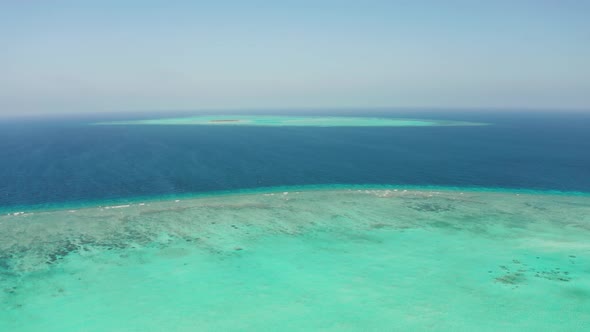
<point>113,56</point>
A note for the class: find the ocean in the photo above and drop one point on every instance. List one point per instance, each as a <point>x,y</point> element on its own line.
<point>180,227</point>
<point>65,161</point>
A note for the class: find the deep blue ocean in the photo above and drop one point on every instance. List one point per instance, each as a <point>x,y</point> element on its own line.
<point>58,160</point>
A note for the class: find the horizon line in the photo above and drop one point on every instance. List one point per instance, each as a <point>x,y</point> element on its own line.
<point>267,109</point>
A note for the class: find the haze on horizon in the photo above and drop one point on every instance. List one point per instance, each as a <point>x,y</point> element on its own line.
<point>83,57</point>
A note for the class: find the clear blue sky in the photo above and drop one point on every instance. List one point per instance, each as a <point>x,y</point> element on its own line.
<point>93,56</point>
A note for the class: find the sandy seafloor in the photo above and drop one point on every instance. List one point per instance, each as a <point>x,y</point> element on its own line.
<point>357,259</point>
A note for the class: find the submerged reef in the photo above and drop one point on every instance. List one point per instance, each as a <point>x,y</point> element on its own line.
<point>355,259</point>
<point>31,241</point>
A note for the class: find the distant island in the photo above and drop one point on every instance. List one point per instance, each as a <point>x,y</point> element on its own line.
<point>228,120</point>
<point>298,121</point>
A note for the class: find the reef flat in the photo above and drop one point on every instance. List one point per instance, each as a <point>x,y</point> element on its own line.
<point>334,260</point>
<point>307,121</point>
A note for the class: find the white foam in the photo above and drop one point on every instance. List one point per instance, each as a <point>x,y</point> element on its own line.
<point>118,206</point>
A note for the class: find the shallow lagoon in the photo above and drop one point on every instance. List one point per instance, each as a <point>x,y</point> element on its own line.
<point>334,260</point>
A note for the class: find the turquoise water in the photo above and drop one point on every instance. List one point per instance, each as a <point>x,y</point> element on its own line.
<point>335,260</point>
<point>294,121</point>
